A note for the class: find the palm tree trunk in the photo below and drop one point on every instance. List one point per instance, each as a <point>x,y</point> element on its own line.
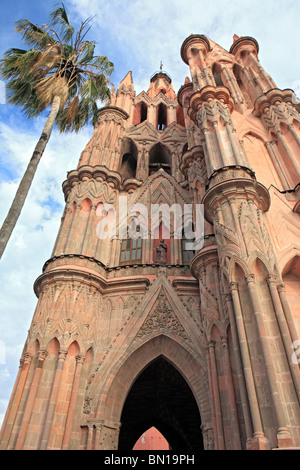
<point>24,186</point>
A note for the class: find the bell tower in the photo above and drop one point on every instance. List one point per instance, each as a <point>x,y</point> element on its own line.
<point>142,324</point>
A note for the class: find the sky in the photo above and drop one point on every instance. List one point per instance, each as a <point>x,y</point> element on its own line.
<point>136,35</point>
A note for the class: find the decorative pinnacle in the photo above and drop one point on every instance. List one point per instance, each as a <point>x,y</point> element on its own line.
<point>161,66</point>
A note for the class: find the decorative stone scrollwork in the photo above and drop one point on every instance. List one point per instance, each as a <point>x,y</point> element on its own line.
<point>95,189</point>
<point>162,318</point>
<point>87,407</point>
<point>276,107</point>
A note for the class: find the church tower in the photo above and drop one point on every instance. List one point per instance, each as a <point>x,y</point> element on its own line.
<point>149,315</point>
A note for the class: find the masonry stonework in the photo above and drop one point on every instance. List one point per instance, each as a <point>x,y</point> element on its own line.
<point>199,346</point>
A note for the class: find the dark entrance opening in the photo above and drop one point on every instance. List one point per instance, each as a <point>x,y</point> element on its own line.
<point>159,157</point>
<point>160,397</point>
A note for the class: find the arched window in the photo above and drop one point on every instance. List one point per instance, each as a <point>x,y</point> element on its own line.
<point>161,117</point>
<point>129,159</point>
<point>140,113</point>
<point>217,76</point>
<point>159,157</point>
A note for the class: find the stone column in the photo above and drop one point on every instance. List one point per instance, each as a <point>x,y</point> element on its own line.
<point>259,441</point>
<point>287,312</point>
<point>72,404</point>
<point>240,372</point>
<point>283,435</point>
<point>285,334</point>
<point>12,410</point>
<point>231,395</point>
<point>216,395</point>
<point>30,400</point>
<point>53,399</point>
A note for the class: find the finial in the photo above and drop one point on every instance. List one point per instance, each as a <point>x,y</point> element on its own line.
<point>161,66</point>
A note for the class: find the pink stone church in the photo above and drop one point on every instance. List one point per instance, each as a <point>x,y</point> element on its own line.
<point>173,339</point>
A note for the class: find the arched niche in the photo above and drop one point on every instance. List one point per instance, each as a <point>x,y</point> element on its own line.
<point>161,117</point>
<point>217,75</point>
<point>129,154</point>
<point>140,113</point>
<point>160,157</point>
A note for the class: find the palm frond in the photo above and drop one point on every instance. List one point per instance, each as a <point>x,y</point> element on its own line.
<point>102,63</point>
<point>17,61</point>
<point>59,17</point>
<point>56,65</point>
<point>33,35</point>
<point>86,53</point>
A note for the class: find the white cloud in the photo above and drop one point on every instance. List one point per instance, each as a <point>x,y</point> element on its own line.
<point>33,238</point>
<point>139,34</point>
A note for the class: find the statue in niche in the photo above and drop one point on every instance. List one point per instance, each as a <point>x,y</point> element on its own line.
<point>161,253</point>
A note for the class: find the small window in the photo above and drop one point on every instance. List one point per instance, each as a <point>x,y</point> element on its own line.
<point>161,117</point>
<point>187,253</point>
<point>131,251</point>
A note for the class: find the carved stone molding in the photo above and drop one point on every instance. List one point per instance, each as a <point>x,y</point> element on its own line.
<point>275,107</point>
<point>162,319</point>
<point>234,189</point>
<point>210,104</point>
<point>229,173</point>
<point>112,112</point>
<point>102,176</point>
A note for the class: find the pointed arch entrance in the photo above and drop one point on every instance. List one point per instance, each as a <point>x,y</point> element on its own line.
<point>161,397</point>
<point>141,360</point>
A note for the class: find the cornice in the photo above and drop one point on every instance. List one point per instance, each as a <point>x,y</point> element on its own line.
<point>271,97</point>
<point>242,42</point>
<point>104,286</point>
<point>113,109</point>
<point>98,172</point>
<point>207,94</point>
<point>234,182</point>
<point>193,39</point>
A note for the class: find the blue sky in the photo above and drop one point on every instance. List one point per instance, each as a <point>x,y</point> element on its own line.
<point>136,35</point>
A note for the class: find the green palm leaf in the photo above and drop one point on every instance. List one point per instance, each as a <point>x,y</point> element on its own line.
<point>59,72</point>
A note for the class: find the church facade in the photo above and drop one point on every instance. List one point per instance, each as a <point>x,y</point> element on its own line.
<point>190,324</point>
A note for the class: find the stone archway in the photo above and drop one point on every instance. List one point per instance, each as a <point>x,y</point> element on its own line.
<point>184,368</point>
<point>161,397</point>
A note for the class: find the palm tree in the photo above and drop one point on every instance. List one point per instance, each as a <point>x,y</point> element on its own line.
<point>59,72</point>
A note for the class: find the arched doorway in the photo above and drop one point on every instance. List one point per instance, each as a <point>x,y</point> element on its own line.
<point>161,397</point>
